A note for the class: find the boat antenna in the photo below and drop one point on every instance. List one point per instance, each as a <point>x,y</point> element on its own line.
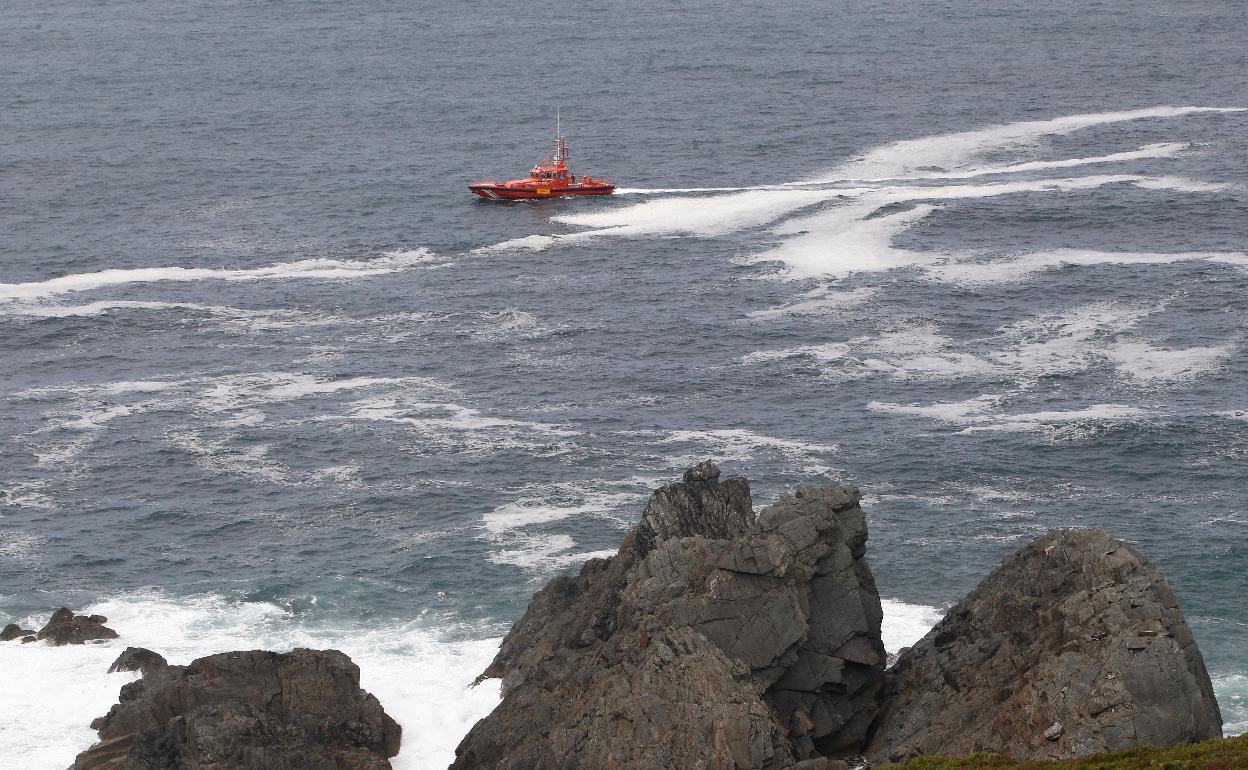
<point>558,126</point>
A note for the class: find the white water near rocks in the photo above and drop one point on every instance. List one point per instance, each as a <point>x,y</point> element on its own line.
<point>422,677</point>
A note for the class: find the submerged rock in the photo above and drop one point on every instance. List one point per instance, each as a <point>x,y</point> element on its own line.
<point>64,627</point>
<point>712,639</point>
<point>256,710</point>
<point>1074,646</point>
<point>14,631</point>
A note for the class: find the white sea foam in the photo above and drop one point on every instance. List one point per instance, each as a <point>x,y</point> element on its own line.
<point>904,624</point>
<point>738,444</point>
<point>542,553</point>
<point>953,151</point>
<point>822,300</point>
<point>831,351</point>
<point>510,527</point>
<point>234,319</point>
<point>969,410</point>
<point>851,238</point>
<point>1065,341</point>
<point>527,243</point>
<point>1068,341</point>
<point>1149,151</point>
<point>703,215</point>
<point>1143,361</point>
<point>420,675</point>
<point>27,494</point>
<point>686,190</point>
<point>220,456</point>
<point>323,268</point>
<point>555,503</point>
<point>981,414</point>
<point>1017,268</point>
<point>1232,694</point>
<point>251,389</point>
<point>212,408</point>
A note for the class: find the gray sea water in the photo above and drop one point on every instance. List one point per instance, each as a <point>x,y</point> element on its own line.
<point>272,376</point>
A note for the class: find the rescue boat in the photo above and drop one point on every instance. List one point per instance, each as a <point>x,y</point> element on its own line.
<point>550,178</point>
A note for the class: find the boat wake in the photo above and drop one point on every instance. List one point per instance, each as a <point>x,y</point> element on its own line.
<point>854,220</point>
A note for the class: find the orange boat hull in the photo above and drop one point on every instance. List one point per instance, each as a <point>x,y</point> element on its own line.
<point>524,189</point>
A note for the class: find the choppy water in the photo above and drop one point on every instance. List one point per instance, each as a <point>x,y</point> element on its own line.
<point>273,378</point>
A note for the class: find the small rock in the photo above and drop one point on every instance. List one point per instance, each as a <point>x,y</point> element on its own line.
<point>255,709</point>
<point>1054,732</point>
<point>138,659</point>
<point>65,627</point>
<point>13,631</point>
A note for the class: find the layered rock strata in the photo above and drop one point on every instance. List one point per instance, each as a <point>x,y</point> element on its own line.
<point>713,639</point>
<point>1075,645</point>
<point>301,710</point>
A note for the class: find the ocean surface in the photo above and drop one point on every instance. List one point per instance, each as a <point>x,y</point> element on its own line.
<point>272,377</point>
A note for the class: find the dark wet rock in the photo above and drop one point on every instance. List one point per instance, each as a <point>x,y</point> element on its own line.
<point>14,631</point>
<point>712,639</point>
<point>65,627</point>
<point>1075,645</point>
<point>138,659</point>
<point>256,710</point>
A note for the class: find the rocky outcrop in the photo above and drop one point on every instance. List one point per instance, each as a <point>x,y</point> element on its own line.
<point>713,639</point>
<point>14,631</point>
<point>65,627</point>
<point>1075,645</point>
<point>138,659</point>
<point>301,710</point>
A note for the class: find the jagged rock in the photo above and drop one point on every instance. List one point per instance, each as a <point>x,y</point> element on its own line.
<point>712,639</point>
<point>256,710</point>
<point>1075,645</point>
<point>64,627</point>
<point>138,659</point>
<point>14,631</point>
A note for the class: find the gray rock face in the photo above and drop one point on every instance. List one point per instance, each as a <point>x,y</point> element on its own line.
<point>14,631</point>
<point>64,627</point>
<point>712,640</point>
<point>302,710</point>
<point>1075,645</point>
